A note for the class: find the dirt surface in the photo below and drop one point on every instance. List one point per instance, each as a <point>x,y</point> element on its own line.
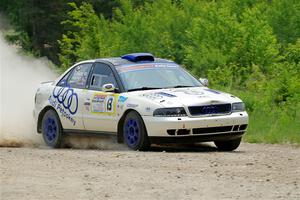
<point>197,172</point>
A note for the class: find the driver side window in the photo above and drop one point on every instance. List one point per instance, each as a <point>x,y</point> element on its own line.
<point>101,75</point>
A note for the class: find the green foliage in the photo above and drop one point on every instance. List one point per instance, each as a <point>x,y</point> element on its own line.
<point>37,24</point>
<point>40,22</point>
<point>284,17</point>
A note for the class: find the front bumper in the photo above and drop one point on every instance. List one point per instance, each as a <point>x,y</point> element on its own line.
<point>204,128</point>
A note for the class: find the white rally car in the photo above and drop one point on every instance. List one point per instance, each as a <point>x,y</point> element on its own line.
<point>142,100</point>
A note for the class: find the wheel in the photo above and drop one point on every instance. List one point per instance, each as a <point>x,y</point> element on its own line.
<point>228,145</point>
<point>51,129</point>
<point>134,132</point>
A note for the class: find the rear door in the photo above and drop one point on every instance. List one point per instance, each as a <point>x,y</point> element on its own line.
<point>99,112</point>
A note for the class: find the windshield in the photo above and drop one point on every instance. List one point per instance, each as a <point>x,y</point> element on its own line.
<point>154,76</point>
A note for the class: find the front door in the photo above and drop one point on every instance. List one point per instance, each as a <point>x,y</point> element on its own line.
<point>99,112</point>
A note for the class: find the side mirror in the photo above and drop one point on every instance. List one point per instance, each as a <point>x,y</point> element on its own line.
<point>109,87</point>
<point>204,81</point>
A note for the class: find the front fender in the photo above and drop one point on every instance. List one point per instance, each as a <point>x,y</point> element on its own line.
<point>143,106</point>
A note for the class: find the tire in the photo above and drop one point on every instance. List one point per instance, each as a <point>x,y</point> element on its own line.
<point>51,129</point>
<point>228,145</point>
<point>135,133</point>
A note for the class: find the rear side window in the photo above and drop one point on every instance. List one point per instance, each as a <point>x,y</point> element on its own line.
<point>79,76</point>
<point>101,75</point>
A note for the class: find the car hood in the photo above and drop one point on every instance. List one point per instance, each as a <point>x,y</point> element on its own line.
<point>190,96</point>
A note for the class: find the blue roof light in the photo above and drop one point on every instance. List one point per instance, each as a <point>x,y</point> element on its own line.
<point>138,57</point>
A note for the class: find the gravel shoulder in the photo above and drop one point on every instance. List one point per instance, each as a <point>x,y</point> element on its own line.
<point>255,171</point>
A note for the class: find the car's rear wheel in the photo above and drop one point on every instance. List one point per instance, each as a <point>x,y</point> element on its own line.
<point>51,129</point>
<point>134,132</point>
<point>228,145</point>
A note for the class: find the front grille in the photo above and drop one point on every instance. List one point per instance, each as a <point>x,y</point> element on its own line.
<point>218,129</point>
<point>210,109</point>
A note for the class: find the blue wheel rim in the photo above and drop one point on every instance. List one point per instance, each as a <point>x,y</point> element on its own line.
<point>50,129</point>
<point>132,132</point>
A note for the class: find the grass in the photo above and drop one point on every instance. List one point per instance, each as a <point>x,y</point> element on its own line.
<point>273,126</point>
<point>269,122</point>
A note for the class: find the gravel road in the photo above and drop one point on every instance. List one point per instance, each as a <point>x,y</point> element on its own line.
<point>255,171</point>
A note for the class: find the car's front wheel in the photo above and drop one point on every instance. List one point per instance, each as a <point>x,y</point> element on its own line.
<point>134,132</point>
<point>51,129</point>
<point>228,145</point>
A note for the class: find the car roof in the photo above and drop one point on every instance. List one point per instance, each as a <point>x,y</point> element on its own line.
<point>118,61</point>
<point>130,59</point>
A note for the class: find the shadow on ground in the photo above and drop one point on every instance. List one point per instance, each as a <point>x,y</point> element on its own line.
<point>199,147</point>
<point>110,143</point>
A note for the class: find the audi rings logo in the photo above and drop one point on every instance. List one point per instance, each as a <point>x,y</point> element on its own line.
<point>67,97</point>
<point>210,109</point>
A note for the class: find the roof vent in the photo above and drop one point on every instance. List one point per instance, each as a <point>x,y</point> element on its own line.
<point>138,57</point>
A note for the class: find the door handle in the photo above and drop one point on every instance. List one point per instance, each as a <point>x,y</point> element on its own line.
<point>87,102</point>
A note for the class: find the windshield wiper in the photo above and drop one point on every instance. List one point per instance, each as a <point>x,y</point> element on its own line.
<point>143,88</point>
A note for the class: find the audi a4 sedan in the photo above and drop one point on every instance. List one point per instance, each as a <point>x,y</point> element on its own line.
<point>140,99</point>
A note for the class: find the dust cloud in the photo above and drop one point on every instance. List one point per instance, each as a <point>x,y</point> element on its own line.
<point>92,142</point>
<point>20,77</point>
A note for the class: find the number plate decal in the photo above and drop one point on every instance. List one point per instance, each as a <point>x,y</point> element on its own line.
<point>104,103</point>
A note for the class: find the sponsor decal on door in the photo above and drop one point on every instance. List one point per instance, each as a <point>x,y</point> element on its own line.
<point>103,103</point>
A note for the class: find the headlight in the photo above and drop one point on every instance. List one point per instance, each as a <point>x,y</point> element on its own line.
<point>169,112</point>
<point>237,107</point>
